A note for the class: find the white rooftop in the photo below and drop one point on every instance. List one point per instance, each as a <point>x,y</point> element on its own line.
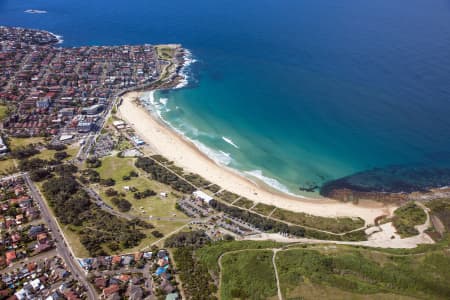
<point>66,137</point>
<point>203,196</point>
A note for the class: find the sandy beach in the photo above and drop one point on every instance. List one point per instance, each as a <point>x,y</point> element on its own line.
<point>165,141</point>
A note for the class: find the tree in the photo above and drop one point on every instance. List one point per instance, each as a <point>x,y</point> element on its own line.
<point>60,155</point>
<point>107,182</point>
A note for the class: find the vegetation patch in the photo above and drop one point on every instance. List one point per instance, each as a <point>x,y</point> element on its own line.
<point>195,238</point>
<point>3,111</point>
<point>227,196</point>
<point>248,275</point>
<point>406,217</point>
<point>72,206</point>
<point>263,209</point>
<point>441,209</point>
<point>197,282</point>
<point>244,203</point>
<point>210,254</point>
<point>161,174</point>
<point>335,225</point>
<point>347,269</point>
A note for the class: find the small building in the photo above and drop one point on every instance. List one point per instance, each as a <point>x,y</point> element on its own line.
<point>119,124</point>
<point>199,195</point>
<point>84,127</point>
<point>65,137</point>
<point>137,141</point>
<point>43,104</point>
<point>93,110</point>
<point>66,112</point>
<point>3,147</point>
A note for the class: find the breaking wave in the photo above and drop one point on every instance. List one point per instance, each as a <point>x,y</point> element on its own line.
<point>230,141</point>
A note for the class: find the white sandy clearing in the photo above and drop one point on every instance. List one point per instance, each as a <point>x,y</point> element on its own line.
<point>167,142</point>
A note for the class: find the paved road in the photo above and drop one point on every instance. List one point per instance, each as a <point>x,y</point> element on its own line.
<point>61,246</point>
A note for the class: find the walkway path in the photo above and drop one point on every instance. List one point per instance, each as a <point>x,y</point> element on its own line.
<point>280,296</point>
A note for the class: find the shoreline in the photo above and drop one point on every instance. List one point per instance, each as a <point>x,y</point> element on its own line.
<point>164,140</point>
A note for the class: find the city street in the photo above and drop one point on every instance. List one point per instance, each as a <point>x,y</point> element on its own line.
<point>61,246</point>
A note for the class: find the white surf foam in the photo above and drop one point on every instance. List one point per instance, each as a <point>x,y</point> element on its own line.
<point>163,101</point>
<point>272,182</point>
<point>184,71</point>
<point>230,141</point>
<point>219,157</point>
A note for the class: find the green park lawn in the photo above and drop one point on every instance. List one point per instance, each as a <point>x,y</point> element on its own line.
<point>3,111</point>
<point>154,207</point>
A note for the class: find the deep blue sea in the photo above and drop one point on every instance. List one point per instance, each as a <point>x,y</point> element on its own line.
<point>295,92</point>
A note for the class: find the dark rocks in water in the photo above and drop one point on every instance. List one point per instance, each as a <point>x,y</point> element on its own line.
<point>309,187</point>
<point>392,179</point>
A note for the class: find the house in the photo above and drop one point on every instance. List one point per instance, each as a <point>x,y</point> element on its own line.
<point>15,237</point>
<point>138,256</point>
<point>83,127</point>
<point>127,259</point>
<point>101,282</point>
<point>3,147</point>
<point>135,292</point>
<point>114,288</point>
<point>116,260</point>
<point>42,238</point>
<point>167,287</point>
<point>43,104</point>
<point>119,124</point>
<point>172,296</point>
<point>10,256</point>
<point>124,277</point>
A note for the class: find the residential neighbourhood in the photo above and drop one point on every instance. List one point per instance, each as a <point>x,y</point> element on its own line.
<point>66,91</point>
<point>23,232</point>
<point>44,278</point>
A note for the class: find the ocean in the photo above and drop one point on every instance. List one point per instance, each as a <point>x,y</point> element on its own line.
<point>295,93</point>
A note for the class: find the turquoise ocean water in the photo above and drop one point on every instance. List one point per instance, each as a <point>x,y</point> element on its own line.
<point>293,92</point>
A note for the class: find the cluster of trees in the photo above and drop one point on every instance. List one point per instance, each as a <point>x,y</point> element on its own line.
<point>60,155</point>
<point>30,164</point>
<point>56,147</point>
<point>162,175</point>
<point>93,162</point>
<point>146,193</point>
<point>40,174</point>
<point>129,176</point>
<point>194,239</point>
<point>157,234</point>
<point>262,223</point>
<point>67,199</point>
<point>72,205</point>
<point>104,228</point>
<point>107,182</point>
<point>197,281</point>
<point>111,192</point>
<point>47,172</point>
<point>122,204</point>
<point>89,175</point>
<point>24,152</point>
